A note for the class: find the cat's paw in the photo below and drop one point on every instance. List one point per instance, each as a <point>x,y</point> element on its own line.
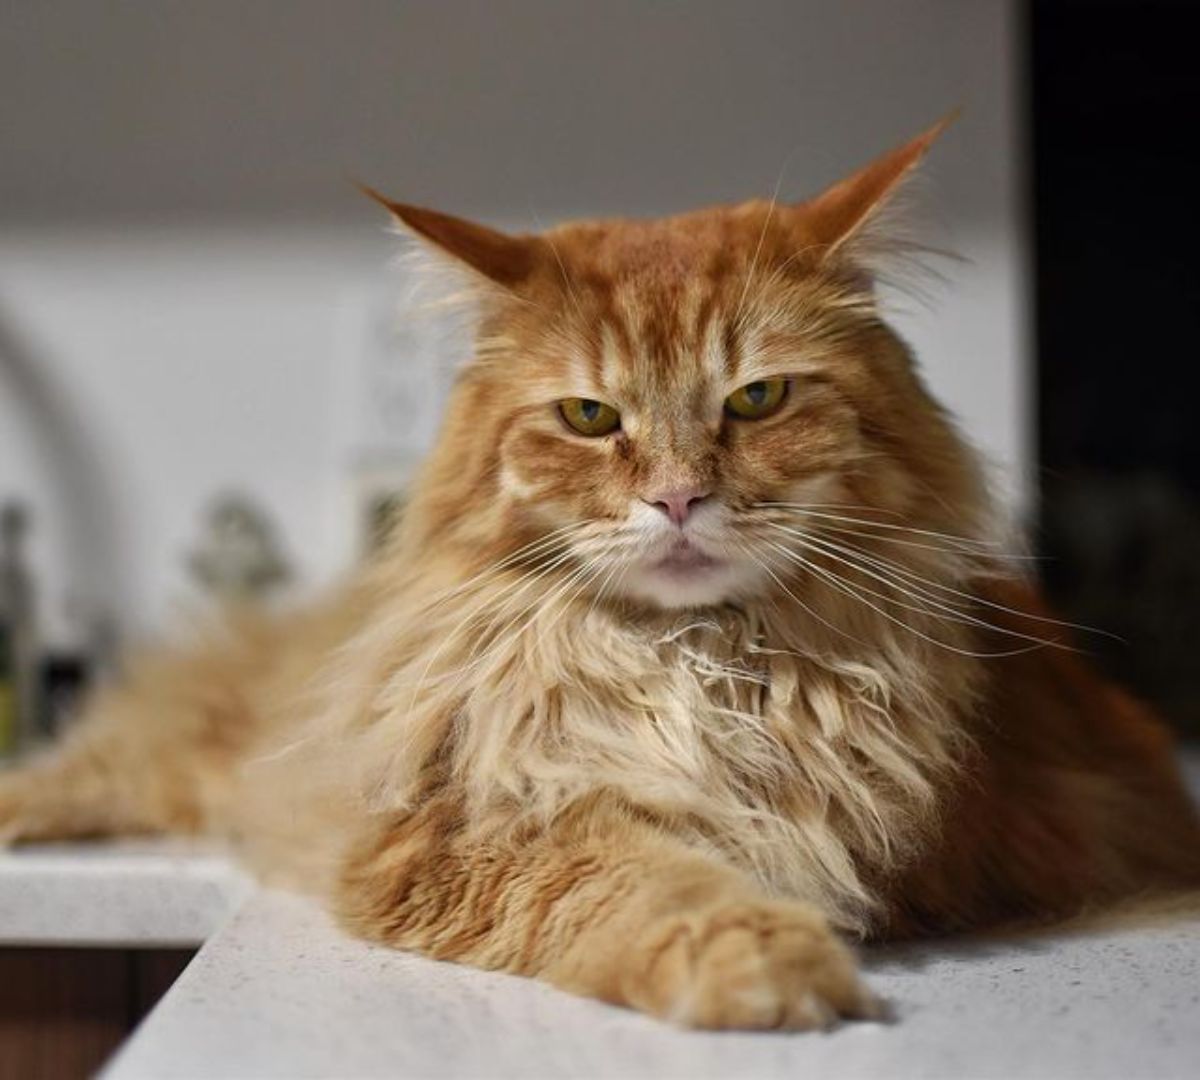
<point>749,965</point>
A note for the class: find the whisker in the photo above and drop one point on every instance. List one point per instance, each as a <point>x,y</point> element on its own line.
<point>949,614</point>
<point>737,315</point>
<point>922,606</point>
<point>800,508</point>
<point>950,548</point>
<point>619,568</point>
<point>886,567</point>
<point>561,535</point>
<point>581,578</point>
<point>521,622</point>
<point>545,235</point>
<point>805,607</point>
<point>525,581</point>
<point>836,582</point>
<point>586,581</point>
<point>588,564</point>
<point>968,598</point>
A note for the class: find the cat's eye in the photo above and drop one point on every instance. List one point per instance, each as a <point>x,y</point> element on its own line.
<point>588,417</point>
<point>757,399</point>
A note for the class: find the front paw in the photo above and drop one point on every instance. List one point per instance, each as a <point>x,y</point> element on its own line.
<point>748,965</point>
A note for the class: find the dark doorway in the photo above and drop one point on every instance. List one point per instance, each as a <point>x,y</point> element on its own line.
<point>1116,117</point>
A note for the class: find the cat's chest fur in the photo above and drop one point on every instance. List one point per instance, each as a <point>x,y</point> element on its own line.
<point>811,771</point>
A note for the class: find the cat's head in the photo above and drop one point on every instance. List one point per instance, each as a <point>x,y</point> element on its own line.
<point>662,410</point>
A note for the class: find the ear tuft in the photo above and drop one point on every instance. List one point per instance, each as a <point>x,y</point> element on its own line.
<point>506,260</point>
<point>832,217</point>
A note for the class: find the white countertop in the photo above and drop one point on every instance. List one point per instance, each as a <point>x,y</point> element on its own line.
<point>144,894</point>
<point>280,992</point>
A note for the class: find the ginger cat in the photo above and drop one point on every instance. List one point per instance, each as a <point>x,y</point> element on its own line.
<point>693,657</point>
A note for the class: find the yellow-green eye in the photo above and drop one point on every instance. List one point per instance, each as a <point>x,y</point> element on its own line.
<point>757,399</point>
<point>589,417</point>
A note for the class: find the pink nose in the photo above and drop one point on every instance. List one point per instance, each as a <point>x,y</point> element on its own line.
<point>678,504</point>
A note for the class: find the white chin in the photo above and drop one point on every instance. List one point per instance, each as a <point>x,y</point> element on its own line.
<point>680,587</point>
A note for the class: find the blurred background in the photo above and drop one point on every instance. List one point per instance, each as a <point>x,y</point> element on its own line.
<point>207,380</point>
<point>215,380</point>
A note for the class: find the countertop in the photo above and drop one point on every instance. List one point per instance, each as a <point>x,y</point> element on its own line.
<point>133,893</point>
<point>281,992</point>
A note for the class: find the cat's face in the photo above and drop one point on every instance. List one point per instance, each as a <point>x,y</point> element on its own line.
<point>659,407</point>
<point>655,403</point>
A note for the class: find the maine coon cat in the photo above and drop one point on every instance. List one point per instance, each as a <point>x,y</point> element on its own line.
<point>693,657</point>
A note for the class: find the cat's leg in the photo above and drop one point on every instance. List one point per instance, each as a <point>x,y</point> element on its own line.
<point>608,907</point>
<point>97,783</point>
<point>154,755</point>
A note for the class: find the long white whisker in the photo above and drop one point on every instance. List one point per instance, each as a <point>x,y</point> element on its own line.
<point>803,606</point>
<point>581,577</point>
<point>968,599</point>
<point>929,606</point>
<point>618,568</point>
<point>969,541</point>
<point>526,551</point>
<point>520,624</point>
<point>922,606</point>
<point>584,583</point>
<point>525,581</point>
<point>951,548</point>
<point>836,582</point>
<point>561,265</point>
<point>762,236</point>
<point>885,567</point>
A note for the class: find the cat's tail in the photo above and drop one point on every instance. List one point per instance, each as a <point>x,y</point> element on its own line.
<point>1148,910</point>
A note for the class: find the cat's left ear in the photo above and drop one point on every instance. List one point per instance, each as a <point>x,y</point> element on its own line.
<point>836,215</point>
<point>503,259</point>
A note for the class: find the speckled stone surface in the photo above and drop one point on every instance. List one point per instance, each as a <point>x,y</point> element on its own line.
<point>135,893</point>
<point>280,992</point>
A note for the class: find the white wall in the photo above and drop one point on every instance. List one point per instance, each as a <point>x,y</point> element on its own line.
<point>146,366</point>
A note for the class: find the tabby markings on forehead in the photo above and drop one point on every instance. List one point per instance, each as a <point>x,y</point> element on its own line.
<point>707,344</point>
<point>717,355</point>
<point>583,375</point>
<point>610,357</point>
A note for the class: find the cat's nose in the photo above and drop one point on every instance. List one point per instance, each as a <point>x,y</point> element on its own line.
<point>678,503</point>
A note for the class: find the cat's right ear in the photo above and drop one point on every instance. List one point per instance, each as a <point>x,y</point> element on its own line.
<point>834,217</point>
<point>506,260</point>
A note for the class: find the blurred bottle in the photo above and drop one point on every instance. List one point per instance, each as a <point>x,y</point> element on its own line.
<point>65,678</point>
<point>81,654</point>
<point>8,692</point>
<point>18,617</point>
